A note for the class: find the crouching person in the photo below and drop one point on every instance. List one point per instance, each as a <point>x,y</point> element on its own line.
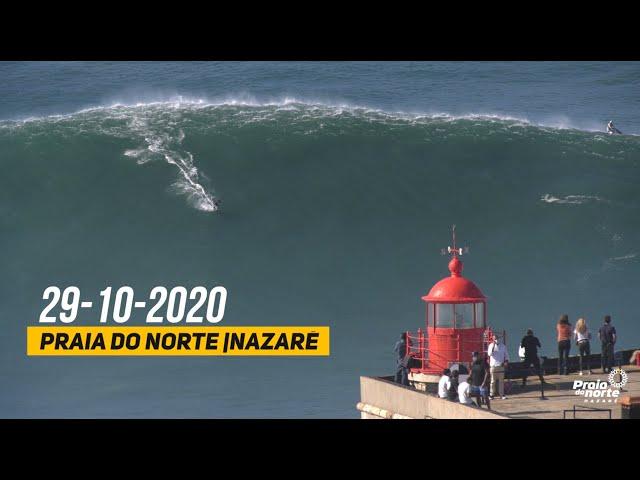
<point>464,392</point>
<point>442,384</point>
<point>452,386</point>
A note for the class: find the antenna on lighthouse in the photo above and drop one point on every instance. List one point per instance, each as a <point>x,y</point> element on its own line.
<point>454,250</point>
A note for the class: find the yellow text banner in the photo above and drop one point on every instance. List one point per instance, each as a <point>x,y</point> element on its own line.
<point>177,341</point>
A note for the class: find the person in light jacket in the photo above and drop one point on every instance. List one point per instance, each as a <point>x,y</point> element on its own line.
<point>498,361</point>
<point>582,336</point>
<point>442,383</point>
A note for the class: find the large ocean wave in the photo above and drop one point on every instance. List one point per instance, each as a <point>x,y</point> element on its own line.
<point>158,131</point>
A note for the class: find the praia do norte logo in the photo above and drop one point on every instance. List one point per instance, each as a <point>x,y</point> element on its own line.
<point>600,391</point>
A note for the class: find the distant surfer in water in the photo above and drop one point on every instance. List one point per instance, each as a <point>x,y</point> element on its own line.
<point>612,130</point>
<point>217,202</point>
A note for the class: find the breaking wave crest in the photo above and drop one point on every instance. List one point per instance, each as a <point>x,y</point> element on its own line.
<point>313,107</point>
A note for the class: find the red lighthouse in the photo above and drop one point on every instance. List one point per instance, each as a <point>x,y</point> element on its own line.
<point>456,322</point>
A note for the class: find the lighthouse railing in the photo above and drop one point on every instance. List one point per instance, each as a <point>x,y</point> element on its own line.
<point>426,360</point>
<point>417,348</point>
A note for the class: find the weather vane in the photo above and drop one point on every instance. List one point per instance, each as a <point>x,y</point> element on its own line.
<point>454,250</point>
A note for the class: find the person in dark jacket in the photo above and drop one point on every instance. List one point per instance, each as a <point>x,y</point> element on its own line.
<point>402,372</point>
<point>452,386</point>
<point>531,344</point>
<point>607,334</point>
<point>479,379</point>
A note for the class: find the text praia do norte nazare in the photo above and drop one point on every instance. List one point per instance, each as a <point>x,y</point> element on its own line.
<point>182,341</point>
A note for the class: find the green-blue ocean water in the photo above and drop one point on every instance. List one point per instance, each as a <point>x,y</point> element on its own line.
<point>339,184</point>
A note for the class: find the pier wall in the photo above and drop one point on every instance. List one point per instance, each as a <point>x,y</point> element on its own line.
<point>382,398</point>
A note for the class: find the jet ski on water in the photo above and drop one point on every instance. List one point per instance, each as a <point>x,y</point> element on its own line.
<point>612,130</point>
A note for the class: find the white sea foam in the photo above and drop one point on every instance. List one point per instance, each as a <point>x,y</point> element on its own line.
<point>572,199</point>
<point>623,258</point>
<point>323,108</point>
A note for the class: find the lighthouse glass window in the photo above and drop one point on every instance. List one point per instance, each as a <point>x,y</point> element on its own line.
<point>459,315</point>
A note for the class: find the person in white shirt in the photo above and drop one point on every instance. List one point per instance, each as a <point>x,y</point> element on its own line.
<point>498,360</point>
<point>443,384</point>
<point>463,393</point>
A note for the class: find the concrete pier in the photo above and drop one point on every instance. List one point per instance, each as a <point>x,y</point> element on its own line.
<point>561,400</point>
<point>380,397</point>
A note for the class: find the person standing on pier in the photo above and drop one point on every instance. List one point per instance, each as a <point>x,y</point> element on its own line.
<point>531,344</point>
<point>582,336</point>
<point>498,361</point>
<point>564,344</point>
<point>479,380</point>
<point>608,338</point>
<point>402,371</point>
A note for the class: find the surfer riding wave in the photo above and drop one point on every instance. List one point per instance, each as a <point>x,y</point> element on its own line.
<point>612,130</point>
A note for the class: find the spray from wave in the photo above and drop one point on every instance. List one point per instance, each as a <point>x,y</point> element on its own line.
<point>622,258</point>
<point>189,182</point>
<point>572,199</point>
